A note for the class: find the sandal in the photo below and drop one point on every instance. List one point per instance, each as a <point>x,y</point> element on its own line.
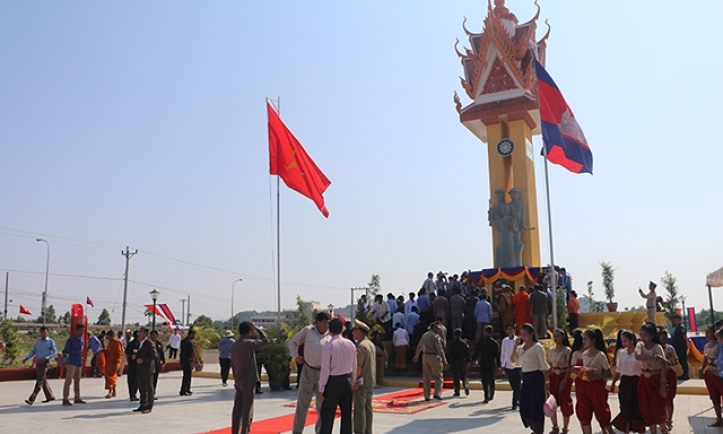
<point>717,423</point>
<point>555,430</point>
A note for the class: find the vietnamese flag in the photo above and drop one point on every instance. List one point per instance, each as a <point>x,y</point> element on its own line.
<point>289,160</point>
<point>24,310</point>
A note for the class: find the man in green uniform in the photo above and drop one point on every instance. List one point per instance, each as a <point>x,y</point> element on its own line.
<point>433,360</point>
<point>366,374</point>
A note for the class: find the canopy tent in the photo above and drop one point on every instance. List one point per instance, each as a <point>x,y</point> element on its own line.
<point>713,280</point>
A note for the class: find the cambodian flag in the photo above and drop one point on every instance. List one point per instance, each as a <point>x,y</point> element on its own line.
<point>564,140</point>
<point>692,322</point>
<point>89,301</point>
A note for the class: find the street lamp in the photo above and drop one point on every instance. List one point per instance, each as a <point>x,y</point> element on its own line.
<point>331,309</point>
<point>47,268</point>
<point>154,297</point>
<point>682,300</point>
<point>232,309</point>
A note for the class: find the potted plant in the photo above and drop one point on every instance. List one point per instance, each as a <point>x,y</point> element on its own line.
<point>608,274</point>
<point>275,358</point>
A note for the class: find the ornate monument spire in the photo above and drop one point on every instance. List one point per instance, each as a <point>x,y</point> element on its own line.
<point>499,78</point>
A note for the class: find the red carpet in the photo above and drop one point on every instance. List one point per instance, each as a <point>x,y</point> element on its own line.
<point>285,423</point>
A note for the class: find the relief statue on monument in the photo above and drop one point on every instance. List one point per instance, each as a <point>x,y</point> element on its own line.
<point>508,219</point>
<point>501,218</point>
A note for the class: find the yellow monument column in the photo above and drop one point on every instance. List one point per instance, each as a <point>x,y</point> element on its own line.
<point>499,78</point>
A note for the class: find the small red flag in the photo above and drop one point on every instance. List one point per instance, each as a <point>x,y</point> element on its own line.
<point>24,310</point>
<point>289,160</point>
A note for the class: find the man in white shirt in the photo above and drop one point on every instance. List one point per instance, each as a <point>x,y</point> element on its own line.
<point>429,283</point>
<point>313,338</point>
<point>338,370</point>
<point>174,343</point>
<point>409,303</point>
<point>513,373</point>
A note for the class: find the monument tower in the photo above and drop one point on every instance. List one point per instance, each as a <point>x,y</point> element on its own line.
<point>499,79</point>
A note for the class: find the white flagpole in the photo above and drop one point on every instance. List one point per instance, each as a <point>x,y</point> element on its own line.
<point>553,280</point>
<point>278,234</point>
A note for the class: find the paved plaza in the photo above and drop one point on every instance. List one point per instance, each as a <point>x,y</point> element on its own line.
<point>209,409</point>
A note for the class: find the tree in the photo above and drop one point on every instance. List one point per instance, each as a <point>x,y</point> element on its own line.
<point>304,319</point>
<point>8,334</point>
<point>671,301</point>
<point>65,318</point>
<point>207,322</point>
<point>608,274</point>
<point>103,318</point>
<point>703,318</point>
<point>375,285</point>
<point>593,306</point>
<point>50,315</point>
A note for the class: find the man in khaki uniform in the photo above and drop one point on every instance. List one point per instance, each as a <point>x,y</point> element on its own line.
<point>366,374</point>
<point>313,338</point>
<point>650,298</point>
<point>433,360</point>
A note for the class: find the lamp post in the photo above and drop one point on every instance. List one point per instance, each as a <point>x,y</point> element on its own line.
<point>232,308</point>
<point>682,300</point>
<point>331,309</point>
<point>154,297</point>
<point>47,268</point>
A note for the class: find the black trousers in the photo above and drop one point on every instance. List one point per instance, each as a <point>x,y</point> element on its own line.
<point>145,386</point>
<point>132,379</point>
<point>514,377</point>
<point>186,382</point>
<point>172,353</point>
<point>94,371</point>
<point>337,393</point>
<point>683,359</point>
<point>459,372</point>
<point>225,368</point>
<point>488,381</point>
<point>574,320</point>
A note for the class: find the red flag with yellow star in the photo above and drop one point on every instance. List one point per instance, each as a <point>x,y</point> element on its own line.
<point>289,160</point>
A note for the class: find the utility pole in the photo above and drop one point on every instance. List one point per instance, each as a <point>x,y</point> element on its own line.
<point>5,309</point>
<point>128,255</point>
<point>189,312</point>
<point>183,309</point>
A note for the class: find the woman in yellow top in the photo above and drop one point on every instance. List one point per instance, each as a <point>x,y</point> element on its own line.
<point>113,356</point>
<point>652,386</point>
<point>560,382</point>
<point>535,381</point>
<point>592,396</point>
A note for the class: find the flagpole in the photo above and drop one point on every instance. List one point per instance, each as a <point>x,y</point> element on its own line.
<point>278,240</point>
<point>553,280</point>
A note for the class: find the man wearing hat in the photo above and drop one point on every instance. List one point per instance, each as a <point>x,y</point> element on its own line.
<point>224,355</point>
<point>650,300</point>
<point>364,379</point>
<point>433,360</point>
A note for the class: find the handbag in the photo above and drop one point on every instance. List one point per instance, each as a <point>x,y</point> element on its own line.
<point>550,407</point>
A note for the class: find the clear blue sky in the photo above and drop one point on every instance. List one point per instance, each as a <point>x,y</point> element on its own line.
<point>143,124</point>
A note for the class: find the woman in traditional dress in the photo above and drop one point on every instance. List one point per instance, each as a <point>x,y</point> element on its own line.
<point>560,382</point>
<point>113,357</point>
<point>535,379</point>
<point>592,396</point>
<point>709,372</point>
<point>672,376</point>
<point>400,341</point>
<point>627,370</point>
<point>652,385</point>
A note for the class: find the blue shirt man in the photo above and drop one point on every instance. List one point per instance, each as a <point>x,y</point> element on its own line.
<point>423,303</point>
<point>94,344</point>
<point>412,320</point>
<point>393,306</point>
<point>224,355</point>
<point>44,348</point>
<point>483,311</point>
<point>74,349</point>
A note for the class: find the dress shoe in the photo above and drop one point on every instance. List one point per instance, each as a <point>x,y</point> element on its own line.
<point>139,409</point>
<point>456,394</point>
<point>66,402</point>
<point>437,397</point>
<point>146,411</point>
<point>29,402</point>
<point>466,389</point>
<point>49,399</point>
<point>134,398</point>
<point>79,401</point>
<point>259,392</point>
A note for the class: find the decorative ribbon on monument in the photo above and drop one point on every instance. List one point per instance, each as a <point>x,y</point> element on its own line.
<point>516,274</point>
